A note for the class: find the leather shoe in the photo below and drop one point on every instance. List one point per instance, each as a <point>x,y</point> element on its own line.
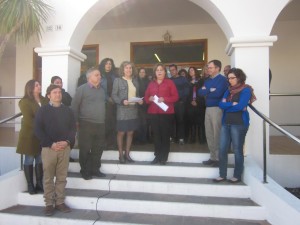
<point>49,210</point>
<point>209,162</point>
<point>155,161</point>
<point>63,208</point>
<point>122,160</point>
<point>163,162</point>
<point>129,159</point>
<point>98,174</point>
<point>86,176</point>
<point>215,164</point>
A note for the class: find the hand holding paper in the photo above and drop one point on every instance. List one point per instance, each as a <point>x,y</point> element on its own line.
<point>161,105</point>
<point>135,99</point>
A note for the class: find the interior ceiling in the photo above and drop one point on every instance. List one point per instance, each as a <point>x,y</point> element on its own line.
<point>151,13</point>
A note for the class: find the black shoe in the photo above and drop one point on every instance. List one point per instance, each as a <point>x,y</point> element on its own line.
<point>122,160</point>
<point>86,176</point>
<point>98,174</point>
<point>208,162</point>
<point>155,161</point>
<point>129,159</point>
<point>215,164</point>
<point>163,162</point>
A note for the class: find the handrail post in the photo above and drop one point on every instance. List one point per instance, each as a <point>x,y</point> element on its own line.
<point>265,151</point>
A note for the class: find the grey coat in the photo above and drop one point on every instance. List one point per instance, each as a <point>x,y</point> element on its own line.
<point>119,94</point>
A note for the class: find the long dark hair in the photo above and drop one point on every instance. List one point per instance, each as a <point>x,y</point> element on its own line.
<point>197,76</point>
<point>102,66</point>
<point>29,88</point>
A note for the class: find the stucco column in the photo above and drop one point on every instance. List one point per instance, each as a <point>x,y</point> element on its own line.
<point>251,54</point>
<point>63,62</point>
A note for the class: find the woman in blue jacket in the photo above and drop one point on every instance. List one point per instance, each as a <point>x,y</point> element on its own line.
<point>235,123</point>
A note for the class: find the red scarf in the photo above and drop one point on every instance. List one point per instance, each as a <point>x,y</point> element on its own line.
<point>238,88</point>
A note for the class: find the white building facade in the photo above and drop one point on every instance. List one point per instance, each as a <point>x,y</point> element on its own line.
<point>242,36</point>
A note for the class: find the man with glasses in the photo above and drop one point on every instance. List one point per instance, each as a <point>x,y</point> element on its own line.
<point>213,90</point>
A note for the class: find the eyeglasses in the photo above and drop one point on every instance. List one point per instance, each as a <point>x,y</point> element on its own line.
<point>230,78</point>
<point>211,67</point>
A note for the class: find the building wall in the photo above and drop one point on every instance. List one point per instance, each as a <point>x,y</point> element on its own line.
<point>284,63</point>
<point>284,57</point>
<point>7,87</point>
<point>116,43</point>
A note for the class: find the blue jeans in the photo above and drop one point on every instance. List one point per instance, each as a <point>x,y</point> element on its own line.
<point>234,134</point>
<point>29,159</point>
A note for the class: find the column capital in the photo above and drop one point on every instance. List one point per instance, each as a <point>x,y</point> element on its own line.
<point>59,51</point>
<point>249,41</point>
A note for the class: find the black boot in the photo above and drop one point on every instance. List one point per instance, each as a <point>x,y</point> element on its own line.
<point>39,187</point>
<point>28,170</point>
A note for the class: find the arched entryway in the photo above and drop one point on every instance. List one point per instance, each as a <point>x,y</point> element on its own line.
<point>247,37</point>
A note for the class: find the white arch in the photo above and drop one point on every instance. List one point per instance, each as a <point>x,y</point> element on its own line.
<point>236,18</point>
<point>246,24</point>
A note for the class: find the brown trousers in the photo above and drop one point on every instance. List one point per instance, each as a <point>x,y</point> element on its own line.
<point>55,164</point>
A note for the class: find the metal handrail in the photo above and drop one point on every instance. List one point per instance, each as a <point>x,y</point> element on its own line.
<point>10,118</point>
<point>265,118</point>
<point>10,97</point>
<point>277,127</point>
<point>289,124</point>
<point>284,94</point>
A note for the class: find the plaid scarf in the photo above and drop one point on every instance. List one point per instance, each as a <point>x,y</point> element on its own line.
<point>238,88</point>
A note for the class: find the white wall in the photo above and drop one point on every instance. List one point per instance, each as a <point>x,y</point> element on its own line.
<point>284,63</point>
<point>116,43</point>
<point>7,87</point>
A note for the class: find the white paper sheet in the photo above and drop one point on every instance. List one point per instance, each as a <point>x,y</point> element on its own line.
<point>161,105</point>
<point>134,99</point>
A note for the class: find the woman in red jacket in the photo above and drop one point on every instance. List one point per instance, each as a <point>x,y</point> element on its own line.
<point>161,95</point>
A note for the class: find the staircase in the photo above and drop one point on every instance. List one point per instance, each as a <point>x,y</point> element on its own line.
<point>180,192</point>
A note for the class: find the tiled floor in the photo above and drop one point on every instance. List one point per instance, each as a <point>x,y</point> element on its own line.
<point>278,144</point>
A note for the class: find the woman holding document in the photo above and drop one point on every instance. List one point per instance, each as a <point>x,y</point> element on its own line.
<point>124,94</point>
<point>161,95</point>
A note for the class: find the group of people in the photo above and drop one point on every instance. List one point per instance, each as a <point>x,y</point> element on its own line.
<point>108,109</point>
<point>46,137</point>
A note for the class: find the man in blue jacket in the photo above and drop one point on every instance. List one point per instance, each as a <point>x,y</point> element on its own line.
<point>213,90</point>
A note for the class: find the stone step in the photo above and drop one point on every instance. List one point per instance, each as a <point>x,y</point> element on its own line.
<point>33,215</point>
<point>159,184</point>
<point>144,168</point>
<point>187,157</point>
<point>161,204</point>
